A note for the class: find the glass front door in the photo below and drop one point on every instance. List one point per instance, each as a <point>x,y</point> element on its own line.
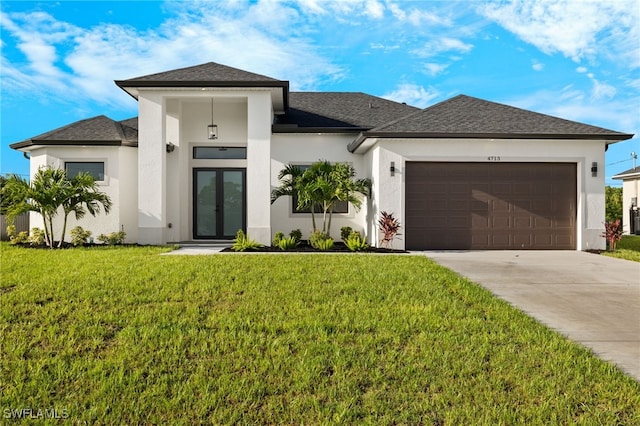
<point>218,203</point>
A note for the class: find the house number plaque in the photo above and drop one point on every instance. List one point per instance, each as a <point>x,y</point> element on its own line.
<point>493,158</point>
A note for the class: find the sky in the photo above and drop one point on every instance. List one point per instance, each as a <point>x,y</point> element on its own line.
<point>575,59</point>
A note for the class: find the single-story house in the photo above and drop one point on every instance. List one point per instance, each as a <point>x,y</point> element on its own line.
<point>200,160</point>
<point>630,196</point>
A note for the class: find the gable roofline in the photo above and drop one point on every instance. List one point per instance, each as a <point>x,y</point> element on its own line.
<point>467,117</point>
<point>207,75</point>
<point>628,174</point>
<point>94,131</point>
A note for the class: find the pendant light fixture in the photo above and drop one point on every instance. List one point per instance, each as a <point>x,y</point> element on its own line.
<point>212,129</point>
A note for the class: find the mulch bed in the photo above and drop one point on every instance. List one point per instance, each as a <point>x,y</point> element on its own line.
<point>304,247</point>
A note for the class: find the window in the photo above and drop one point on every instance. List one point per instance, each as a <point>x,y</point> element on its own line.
<point>94,168</point>
<point>219,153</point>
<point>340,207</point>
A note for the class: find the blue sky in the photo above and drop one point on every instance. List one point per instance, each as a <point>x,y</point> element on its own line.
<point>576,59</point>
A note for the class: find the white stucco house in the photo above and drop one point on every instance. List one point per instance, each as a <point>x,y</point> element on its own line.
<point>462,174</point>
<point>630,197</point>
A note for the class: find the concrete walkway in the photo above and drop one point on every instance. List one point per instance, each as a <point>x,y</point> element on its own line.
<point>591,299</point>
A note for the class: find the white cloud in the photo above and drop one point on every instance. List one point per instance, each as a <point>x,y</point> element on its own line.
<point>537,66</point>
<point>413,94</point>
<point>577,29</point>
<point>442,45</point>
<point>434,69</point>
<point>81,63</point>
<point>582,70</point>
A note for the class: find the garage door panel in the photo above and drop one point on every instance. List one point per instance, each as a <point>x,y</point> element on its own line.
<point>490,205</point>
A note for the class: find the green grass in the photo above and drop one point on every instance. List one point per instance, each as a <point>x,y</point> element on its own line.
<point>627,248</point>
<point>125,336</point>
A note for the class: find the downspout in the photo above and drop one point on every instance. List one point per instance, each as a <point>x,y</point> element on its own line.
<point>26,155</point>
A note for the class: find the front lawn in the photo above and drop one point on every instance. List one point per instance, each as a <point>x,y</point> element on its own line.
<point>627,248</point>
<point>125,336</point>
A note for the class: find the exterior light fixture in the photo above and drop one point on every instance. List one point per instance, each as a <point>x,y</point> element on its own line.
<point>170,147</point>
<point>212,129</point>
<point>594,169</point>
<point>392,169</point>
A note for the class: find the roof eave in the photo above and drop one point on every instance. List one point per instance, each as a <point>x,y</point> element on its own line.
<point>126,85</point>
<point>288,128</point>
<point>32,143</point>
<point>608,138</point>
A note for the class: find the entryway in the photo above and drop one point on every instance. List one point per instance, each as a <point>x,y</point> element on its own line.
<point>219,202</point>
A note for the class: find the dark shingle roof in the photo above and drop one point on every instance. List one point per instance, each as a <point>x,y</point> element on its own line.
<point>100,130</point>
<point>210,71</point>
<point>468,115</point>
<point>631,173</point>
<point>338,110</point>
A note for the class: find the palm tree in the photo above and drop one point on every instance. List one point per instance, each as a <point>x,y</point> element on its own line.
<point>50,190</point>
<point>82,196</point>
<point>321,187</point>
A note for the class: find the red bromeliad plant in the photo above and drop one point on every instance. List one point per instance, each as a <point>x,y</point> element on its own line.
<point>389,227</point>
<point>613,233</point>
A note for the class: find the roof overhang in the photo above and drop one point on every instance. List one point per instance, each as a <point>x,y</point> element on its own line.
<point>627,176</point>
<point>294,128</point>
<point>31,144</point>
<point>279,89</point>
<point>366,139</point>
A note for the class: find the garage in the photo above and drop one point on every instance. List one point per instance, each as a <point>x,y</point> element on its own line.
<point>490,206</point>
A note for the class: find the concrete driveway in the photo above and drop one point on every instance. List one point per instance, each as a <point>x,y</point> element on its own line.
<point>591,299</point>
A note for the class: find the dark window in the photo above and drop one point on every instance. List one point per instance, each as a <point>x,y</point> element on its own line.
<point>94,168</point>
<point>341,206</point>
<point>219,152</point>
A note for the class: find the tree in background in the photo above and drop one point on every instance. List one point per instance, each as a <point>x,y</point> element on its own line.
<point>613,203</point>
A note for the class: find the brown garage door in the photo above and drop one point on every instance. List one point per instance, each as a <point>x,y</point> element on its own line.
<point>458,206</point>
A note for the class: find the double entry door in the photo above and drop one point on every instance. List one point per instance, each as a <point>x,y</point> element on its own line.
<point>219,202</point>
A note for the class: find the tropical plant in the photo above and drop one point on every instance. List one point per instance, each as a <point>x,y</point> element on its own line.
<point>320,187</point>
<point>345,231</point>
<point>49,191</point>
<point>613,233</point>
<point>389,227</point>
<point>276,238</point>
<point>296,234</point>
<point>81,195</point>
<point>288,243</point>
<point>112,238</point>
<point>36,238</point>
<point>355,242</point>
<point>79,236</point>
<point>17,238</point>
<point>242,242</point>
<point>321,241</point>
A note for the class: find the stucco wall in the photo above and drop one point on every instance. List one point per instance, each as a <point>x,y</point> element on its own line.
<point>389,190</point>
<point>119,184</point>
<point>307,149</point>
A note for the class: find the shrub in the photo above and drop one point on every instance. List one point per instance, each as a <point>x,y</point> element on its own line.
<point>288,243</point>
<point>79,236</point>
<point>389,227</point>
<point>345,232</point>
<point>321,241</point>
<point>19,238</point>
<point>296,234</point>
<point>276,239</point>
<point>37,237</point>
<point>113,238</point>
<point>355,242</point>
<point>613,233</point>
<point>242,242</point>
